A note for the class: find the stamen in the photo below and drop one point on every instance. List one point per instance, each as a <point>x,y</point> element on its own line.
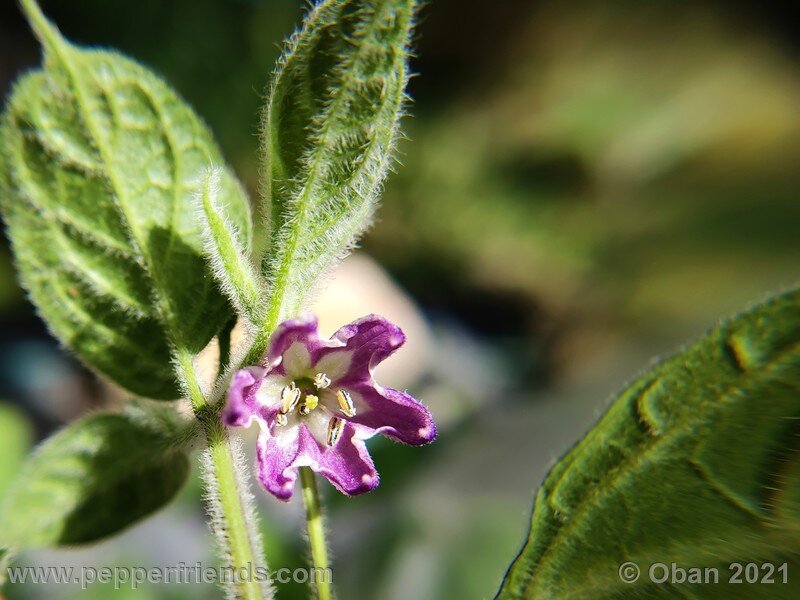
<point>310,404</point>
<point>321,381</point>
<point>335,428</point>
<point>290,396</point>
<point>281,419</point>
<point>346,403</point>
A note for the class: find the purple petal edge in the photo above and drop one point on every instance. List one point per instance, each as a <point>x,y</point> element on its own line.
<point>395,414</point>
<point>303,329</point>
<point>275,464</point>
<point>369,341</point>
<point>347,465</point>
<point>242,405</point>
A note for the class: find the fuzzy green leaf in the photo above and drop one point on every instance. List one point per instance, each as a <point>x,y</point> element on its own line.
<point>696,463</point>
<point>15,439</point>
<point>230,262</point>
<point>92,479</point>
<point>329,131</point>
<point>99,166</point>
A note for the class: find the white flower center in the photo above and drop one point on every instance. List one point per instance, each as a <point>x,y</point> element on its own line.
<point>303,399</point>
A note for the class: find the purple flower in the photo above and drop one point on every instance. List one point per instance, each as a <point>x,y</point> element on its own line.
<point>316,402</point>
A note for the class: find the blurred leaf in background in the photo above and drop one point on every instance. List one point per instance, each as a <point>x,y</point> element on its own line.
<point>637,162</point>
<point>16,438</point>
<point>626,177</point>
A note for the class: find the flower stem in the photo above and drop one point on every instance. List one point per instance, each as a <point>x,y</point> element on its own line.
<point>230,506</point>
<point>316,533</point>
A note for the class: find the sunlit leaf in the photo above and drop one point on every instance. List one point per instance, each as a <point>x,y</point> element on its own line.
<point>697,463</point>
<point>329,129</point>
<point>99,165</point>
<point>230,261</point>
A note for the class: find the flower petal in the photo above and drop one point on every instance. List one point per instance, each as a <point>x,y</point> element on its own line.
<point>393,413</point>
<point>303,329</point>
<point>347,465</point>
<point>368,341</point>
<point>276,460</point>
<point>242,404</point>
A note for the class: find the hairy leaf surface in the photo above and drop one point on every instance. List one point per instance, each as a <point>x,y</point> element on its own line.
<point>329,129</point>
<point>99,165</point>
<point>697,463</point>
<point>229,260</point>
<point>92,479</point>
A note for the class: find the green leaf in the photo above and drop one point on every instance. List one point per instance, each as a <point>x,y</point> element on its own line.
<point>99,166</point>
<point>15,439</point>
<point>92,479</point>
<point>696,463</point>
<point>329,132</point>
<point>229,260</point>
<point>6,558</point>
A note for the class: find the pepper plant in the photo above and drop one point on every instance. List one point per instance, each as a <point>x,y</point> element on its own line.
<point>135,243</point>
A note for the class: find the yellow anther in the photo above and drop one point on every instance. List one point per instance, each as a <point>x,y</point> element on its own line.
<point>346,403</point>
<point>321,381</point>
<point>335,428</point>
<point>290,396</point>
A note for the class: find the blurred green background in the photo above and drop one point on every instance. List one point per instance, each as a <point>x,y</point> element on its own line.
<point>585,186</point>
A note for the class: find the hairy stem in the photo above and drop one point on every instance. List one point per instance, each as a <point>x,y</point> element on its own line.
<point>316,532</point>
<point>230,505</point>
<point>224,339</point>
<point>259,343</point>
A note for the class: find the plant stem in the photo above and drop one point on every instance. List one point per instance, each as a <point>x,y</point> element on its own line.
<point>224,339</point>
<point>233,520</point>
<point>237,533</point>
<point>316,533</point>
